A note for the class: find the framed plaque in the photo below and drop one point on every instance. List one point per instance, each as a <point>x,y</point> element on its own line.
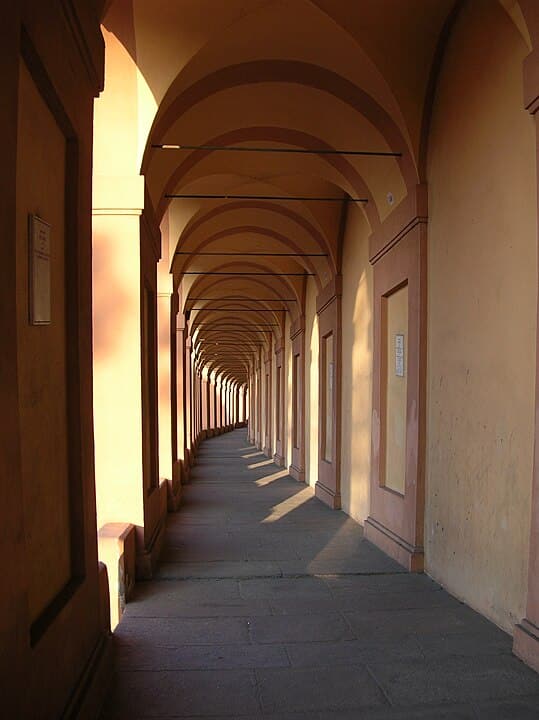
<point>39,271</point>
<point>399,355</point>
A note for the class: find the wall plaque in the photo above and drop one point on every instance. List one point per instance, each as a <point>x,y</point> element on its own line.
<point>399,355</point>
<point>40,271</point>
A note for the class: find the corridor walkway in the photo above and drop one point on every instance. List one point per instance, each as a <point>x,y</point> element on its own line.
<point>268,604</point>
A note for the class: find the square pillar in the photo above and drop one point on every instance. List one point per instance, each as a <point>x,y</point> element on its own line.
<point>398,252</point>
<point>267,403</point>
<point>126,247</point>
<point>297,336</point>
<point>328,308</point>
<point>526,638</point>
<point>279,456</point>
<point>188,408</point>
<point>166,319</point>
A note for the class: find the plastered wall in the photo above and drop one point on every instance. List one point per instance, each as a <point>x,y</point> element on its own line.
<point>357,341</point>
<point>42,354</point>
<point>481,327</point>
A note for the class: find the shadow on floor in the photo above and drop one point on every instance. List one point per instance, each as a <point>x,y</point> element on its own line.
<point>267,604</point>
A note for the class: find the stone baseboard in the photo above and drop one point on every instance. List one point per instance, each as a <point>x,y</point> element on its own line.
<point>297,473</point>
<point>409,556</point>
<point>94,685</point>
<point>327,496</point>
<point>526,643</point>
<point>146,559</point>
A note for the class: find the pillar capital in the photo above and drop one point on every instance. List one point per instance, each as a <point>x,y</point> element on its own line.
<point>118,195</point>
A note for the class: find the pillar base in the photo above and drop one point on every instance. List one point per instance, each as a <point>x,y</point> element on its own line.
<point>297,473</point>
<point>267,452</point>
<point>526,643</point>
<point>174,495</point>
<point>116,549</point>
<point>278,460</point>
<point>328,496</point>
<point>94,685</point>
<point>409,556</point>
<point>147,557</point>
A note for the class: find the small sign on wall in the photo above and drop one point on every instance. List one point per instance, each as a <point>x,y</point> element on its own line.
<point>40,271</point>
<point>399,355</point>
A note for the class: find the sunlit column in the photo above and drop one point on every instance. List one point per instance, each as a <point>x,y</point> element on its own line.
<point>188,403</point>
<point>117,343</point>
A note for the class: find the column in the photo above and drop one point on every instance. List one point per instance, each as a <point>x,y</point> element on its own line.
<point>297,335</point>
<point>398,253</point>
<point>126,244</point>
<point>166,318</point>
<point>526,638</point>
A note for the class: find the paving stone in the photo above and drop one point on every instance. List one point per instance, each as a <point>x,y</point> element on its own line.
<point>392,583</point>
<point>431,712</point>
<point>515,709</point>
<point>425,621</point>
<point>277,588</point>
<point>468,644</point>
<point>134,656</point>
<point>174,632</point>
<point>199,693</point>
<point>298,628</point>
<point>153,596</point>
<point>320,654</point>
<point>404,600</point>
<point>316,689</point>
<point>457,679</point>
<point>217,570</point>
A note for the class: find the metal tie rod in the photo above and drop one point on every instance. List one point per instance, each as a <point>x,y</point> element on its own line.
<point>248,254</point>
<point>241,299</point>
<point>212,327</point>
<point>283,150</point>
<point>201,272</point>
<point>255,310</point>
<point>284,198</point>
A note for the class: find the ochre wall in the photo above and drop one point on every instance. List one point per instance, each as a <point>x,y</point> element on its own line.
<point>357,339</point>
<point>51,60</point>
<point>42,353</point>
<point>482,318</point>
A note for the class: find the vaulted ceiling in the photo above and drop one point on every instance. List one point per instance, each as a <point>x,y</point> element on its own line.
<point>288,75</point>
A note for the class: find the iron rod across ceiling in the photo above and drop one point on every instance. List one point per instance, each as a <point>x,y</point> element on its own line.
<point>276,274</point>
<point>248,254</point>
<point>241,299</point>
<point>279,150</point>
<point>261,332</point>
<point>283,198</point>
<point>252,310</point>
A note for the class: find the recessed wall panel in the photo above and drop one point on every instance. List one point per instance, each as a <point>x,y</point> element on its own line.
<point>43,392</point>
<point>395,388</point>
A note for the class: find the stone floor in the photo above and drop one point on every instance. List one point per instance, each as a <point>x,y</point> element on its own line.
<point>268,604</point>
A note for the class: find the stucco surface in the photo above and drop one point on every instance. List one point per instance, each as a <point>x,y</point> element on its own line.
<point>482,319</point>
